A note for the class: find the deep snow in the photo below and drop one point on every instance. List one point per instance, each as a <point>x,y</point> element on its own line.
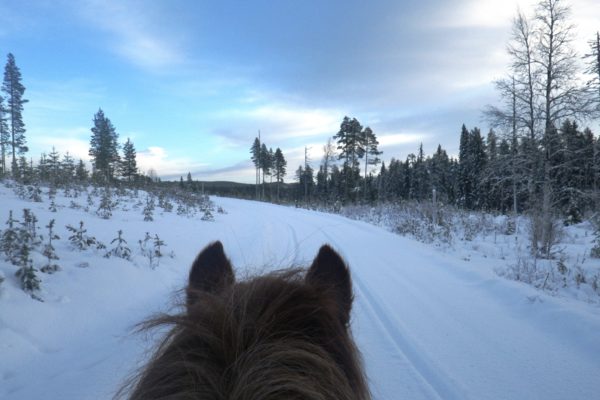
<point>430,325</point>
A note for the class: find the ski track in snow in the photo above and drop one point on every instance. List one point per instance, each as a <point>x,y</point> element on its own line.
<point>428,326</point>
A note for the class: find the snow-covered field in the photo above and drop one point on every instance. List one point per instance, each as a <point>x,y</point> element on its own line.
<point>430,324</point>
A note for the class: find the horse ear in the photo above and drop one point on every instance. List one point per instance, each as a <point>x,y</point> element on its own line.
<point>211,271</point>
<point>329,272</point>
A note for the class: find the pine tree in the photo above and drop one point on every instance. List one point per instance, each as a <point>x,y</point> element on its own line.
<point>146,250</point>
<point>280,165</point>
<point>372,153</point>
<point>120,250</point>
<point>81,240</point>
<point>594,69</point>
<point>129,164</point>
<point>328,161</point>
<point>158,244</point>
<point>104,147</point>
<point>256,153</point>
<point>208,216</point>
<point>14,90</point>
<point>265,165</point>
<point>49,252</point>
<point>4,137</point>
<point>350,142</point>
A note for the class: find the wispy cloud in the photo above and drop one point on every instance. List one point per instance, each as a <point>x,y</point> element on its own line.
<point>137,33</point>
<point>62,96</point>
<point>278,122</point>
<point>242,171</point>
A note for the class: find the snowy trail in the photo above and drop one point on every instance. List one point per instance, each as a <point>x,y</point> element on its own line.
<point>448,330</point>
<point>429,326</point>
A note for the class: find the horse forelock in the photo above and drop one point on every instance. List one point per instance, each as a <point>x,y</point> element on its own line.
<point>272,336</point>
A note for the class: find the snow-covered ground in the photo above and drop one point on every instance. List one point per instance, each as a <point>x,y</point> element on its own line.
<point>430,324</point>
<point>500,243</point>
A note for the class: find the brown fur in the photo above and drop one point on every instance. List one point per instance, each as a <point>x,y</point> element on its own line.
<point>284,335</point>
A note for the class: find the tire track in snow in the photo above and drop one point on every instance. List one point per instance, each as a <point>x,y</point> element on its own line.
<point>442,386</point>
<point>296,244</point>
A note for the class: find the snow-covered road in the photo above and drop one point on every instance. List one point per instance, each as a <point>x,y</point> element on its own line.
<point>430,326</point>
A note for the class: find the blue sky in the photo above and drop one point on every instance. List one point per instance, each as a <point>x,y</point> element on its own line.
<point>192,82</point>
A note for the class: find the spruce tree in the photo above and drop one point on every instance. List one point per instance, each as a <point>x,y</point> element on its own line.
<point>478,164</point>
<point>9,242</point>
<point>421,184</point>
<point>104,210</point>
<point>129,164</point>
<point>104,147</point>
<point>372,152</point>
<point>465,184</point>
<point>189,181</point>
<point>440,174</point>
<point>49,252</point>
<point>14,90</point>
<point>149,209</point>
<point>29,227</point>
<point>67,172</point>
<point>29,280</point>
<point>208,216</point>
<point>81,172</point>
<point>54,166</point>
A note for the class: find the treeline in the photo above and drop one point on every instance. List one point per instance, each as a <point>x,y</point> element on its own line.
<point>489,174</point>
<point>109,166</point>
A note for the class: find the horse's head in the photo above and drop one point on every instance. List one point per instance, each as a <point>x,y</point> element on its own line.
<point>281,335</point>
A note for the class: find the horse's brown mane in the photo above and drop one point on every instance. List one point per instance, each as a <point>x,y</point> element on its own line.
<point>284,335</point>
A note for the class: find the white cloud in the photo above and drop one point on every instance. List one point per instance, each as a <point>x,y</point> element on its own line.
<point>399,138</point>
<point>158,159</point>
<point>75,141</point>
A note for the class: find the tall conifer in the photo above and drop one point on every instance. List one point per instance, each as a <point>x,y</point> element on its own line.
<point>104,146</point>
<point>14,90</point>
